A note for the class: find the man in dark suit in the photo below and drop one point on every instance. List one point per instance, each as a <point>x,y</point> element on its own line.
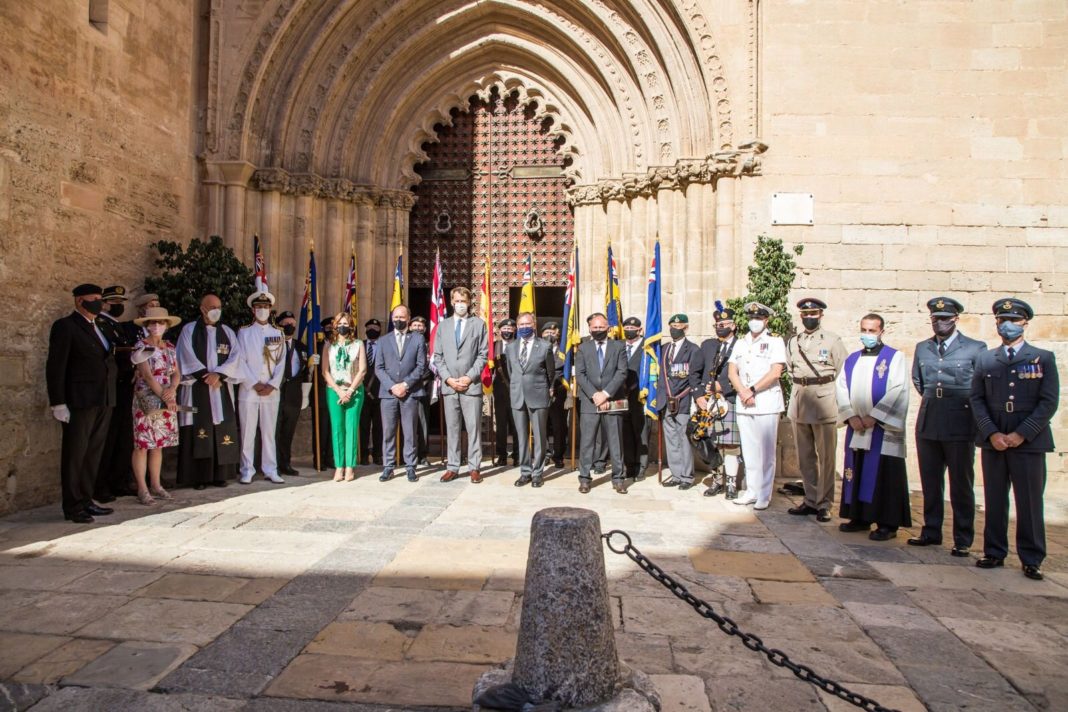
<point>681,372</point>
<point>601,370</point>
<point>1015,392</point>
<point>400,362</point>
<point>533,369</point>
<point>942,370</point>
<point>371,415</point>
<point>503,425</point>
<point>635,424</point>
<point>419,326</point>
<point>80,372</point>
<point>293,393</point>
<point>558,403</point>
<point>116,475</point>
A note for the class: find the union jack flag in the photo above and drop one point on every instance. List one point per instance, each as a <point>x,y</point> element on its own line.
<point>260,276</point>
<point>349,305</point>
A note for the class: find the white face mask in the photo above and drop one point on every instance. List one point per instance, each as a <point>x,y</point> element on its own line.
<point>157,329</point>
<point>756,325</point>
<point>460,308</point>
<point>214,315</point>
<point>262,314</point>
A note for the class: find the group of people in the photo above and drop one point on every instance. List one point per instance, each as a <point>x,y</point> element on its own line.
<point>231,401</point>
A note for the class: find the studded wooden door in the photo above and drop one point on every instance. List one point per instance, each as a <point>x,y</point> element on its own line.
<point>494,186</point>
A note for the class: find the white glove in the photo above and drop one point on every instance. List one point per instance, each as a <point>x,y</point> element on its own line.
<point>61,413</point>
<point>313,359</point>
<point>305,389</point>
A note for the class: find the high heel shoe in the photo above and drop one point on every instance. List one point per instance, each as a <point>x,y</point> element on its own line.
<point>349,474</point>
<point>145,498</point>
<point>162,493</point>
<point>339,474</point>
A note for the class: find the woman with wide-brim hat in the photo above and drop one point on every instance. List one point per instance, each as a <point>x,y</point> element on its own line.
<point>155,404</point>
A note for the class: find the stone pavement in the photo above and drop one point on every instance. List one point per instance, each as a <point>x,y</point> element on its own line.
<point>372,596</point>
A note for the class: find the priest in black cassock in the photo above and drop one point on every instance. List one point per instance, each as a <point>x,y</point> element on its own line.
<point>873,398</point>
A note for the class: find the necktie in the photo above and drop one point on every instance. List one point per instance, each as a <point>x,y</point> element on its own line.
<point>400,344</point>
<point>941,348</point>
<point>289,359</point>
<point>630,351</point>
<point>1012,353</point>
<point>600,355</point>
<point>523,352</point>
<point>371,353</point>
<point>459,330</point>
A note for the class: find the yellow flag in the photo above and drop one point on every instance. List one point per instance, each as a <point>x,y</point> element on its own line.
<point>526,295</point>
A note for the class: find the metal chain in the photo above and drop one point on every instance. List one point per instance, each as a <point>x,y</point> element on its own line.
<point>728,626</point>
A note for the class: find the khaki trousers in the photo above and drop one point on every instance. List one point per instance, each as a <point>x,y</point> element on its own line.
<point>816,446</point>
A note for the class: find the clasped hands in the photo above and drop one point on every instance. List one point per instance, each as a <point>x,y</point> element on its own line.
<point>460,385</point>
<point>1001,441</point>
<point>600,399</point>
<point>263,389</point>
<point>861,423</point>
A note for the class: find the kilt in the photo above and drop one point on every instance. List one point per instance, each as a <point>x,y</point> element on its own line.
<point>725,431</point>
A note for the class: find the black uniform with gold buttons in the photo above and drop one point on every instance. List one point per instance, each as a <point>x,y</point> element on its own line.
<point>1015,392</point>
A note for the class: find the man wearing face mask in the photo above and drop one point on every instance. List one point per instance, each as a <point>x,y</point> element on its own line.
<point>558,427</point>
<point>636,423</point>
<point>208,442</point>
<point>400,362</point>
<point>754,369</point>
<point>80,372</point>
<point>718,392</point>
<point>1015,393</point>
<point>116,474</point>
<point>262,352</point>
<point>371,415</point>
<point>682,368</point>
<point>419,326</point>
<point>293,394</point>
<point>533,367</point>
<point>461,348</point>
<point>942,370</point>
<point>814,358</point>
<point>601,373</point>
<point>873,400</point>
<point>503,425</point>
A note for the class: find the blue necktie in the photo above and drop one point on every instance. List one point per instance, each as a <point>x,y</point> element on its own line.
<point>459,328</point>
<point>600,356</point>
<point>1012,353</point>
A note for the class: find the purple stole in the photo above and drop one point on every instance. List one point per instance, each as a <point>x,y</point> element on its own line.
<point>871,460</point>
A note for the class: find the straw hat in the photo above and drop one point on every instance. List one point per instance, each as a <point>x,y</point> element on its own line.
<point>157,314</point>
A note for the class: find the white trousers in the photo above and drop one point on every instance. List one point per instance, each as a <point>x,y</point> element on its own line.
<point>257,412</point>
<point>759,434</point>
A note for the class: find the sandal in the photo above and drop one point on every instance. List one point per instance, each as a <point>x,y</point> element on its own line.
<point>145,498</point>
<point>339,474</point>
<point>162,493</point>
<point>349,474</point>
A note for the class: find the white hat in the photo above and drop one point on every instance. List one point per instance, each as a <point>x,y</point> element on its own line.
<point>260,296</point>
<point>158,314</point>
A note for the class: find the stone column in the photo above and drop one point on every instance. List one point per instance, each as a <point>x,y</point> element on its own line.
<point>233,177</point>
<point>368,260</point>
<point>280,268</point>
<point>336,257</point>
<point>292,287</point>
<point>727,252</point>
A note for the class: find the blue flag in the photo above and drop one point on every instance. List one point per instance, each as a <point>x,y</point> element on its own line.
<point>649,374</point>
<point>572,336</point>
<point>309,307</point>
<point>613,307</point>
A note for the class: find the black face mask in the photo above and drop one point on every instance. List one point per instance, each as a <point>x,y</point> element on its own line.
<point>116,310</point>
<point>630,334</point>
<point>289,329</point>
<point>507,335</point>
<point>723,331</point>
<point>810,322</point>
<point>94,307</point>
<point>943,328</point>
<point>373,333</point>
<point>677,333</point>
<point>400,324</point>
<point>344,330</point>
<point>599,335</point>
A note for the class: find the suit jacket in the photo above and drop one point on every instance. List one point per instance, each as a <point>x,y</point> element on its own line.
<point>634,366</point>
<point>501,377</point>
<point>531,385</point>
<point>465,359</point>
<point>79,371</point>
<point>687,358</point>
<point>393,368</point>
<point>592,378</point>
<point>292,384</point>
<point>945,382</point>
<point>123,334</point>
<point>1030,383</point>
<point>715,354</point>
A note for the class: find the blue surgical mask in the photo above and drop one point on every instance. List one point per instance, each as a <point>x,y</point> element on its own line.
<point>1010,331</point>
<point>869,340</point>
<point>525,332</point>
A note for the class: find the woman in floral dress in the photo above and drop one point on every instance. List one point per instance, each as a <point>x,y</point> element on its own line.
<point>154,405</point>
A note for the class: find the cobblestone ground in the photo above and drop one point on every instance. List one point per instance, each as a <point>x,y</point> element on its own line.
<point>316,595</point>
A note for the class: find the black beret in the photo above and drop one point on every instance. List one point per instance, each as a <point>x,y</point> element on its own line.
<point>326,322</point>
<point>724,314</point>
<point>115,292</point>
<point>506,322</point>
<point>285,315</point>
<point>632,321</point>
<point>1011,306</point>
<point>372,322</point>
<point>944,306</point>
<point>811,303</point>
<point>419,320</point>
<point>551,325</point>
<point>84,290</point>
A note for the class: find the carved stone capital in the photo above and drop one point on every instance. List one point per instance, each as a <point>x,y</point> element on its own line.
<point>310,184</point>
<point>229,172</point>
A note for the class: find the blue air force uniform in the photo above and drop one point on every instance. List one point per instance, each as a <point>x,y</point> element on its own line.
<point>1015,390</point>
<point>942,370</point>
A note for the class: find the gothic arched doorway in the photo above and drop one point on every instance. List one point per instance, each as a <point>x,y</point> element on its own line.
<point>493,186</point>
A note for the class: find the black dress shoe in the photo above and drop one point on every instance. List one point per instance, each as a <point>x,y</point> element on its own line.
<point>854,526</point>
<point>501,462</point>
<point>105,498</point>
<point>289,471</point>
<point>200,486</point>
<point>670,482</point>
<point>621,487</point>
<point>989,562</point>
<point>731,493</point>
<point>411,476</point>
<point>98,511</point>
<point>386,476</point>
<point>599,470</point>
<point>80,518</point>
<point>883,534</point>
<point>584,488</point>
<point>960,551</point>
<point>715,489</point>
<point>219,483</point>
<point>559,462</point>
<point>924,541</point>
<point>1032,572</point>
<point>522,481</point>
<point>802,510</point>
<point>685,486</point>
<point>537,483</point>
<point>823,516</point>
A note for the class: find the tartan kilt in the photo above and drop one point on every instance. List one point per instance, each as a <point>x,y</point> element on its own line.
<point>729,424</point>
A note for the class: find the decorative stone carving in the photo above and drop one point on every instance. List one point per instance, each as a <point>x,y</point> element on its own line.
<point>309,184</point>
<point>532,225</point>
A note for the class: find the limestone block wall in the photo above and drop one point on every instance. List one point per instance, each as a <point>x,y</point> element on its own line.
<point>96,161</point>
<point>933,137</point>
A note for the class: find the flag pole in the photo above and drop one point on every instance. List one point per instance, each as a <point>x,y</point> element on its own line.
<point>312,334</point>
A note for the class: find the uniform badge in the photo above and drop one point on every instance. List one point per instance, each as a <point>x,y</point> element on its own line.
<point>763,348</point>
<point>226,440</point>
<point>940,304</point>
<point>202,434</point>
<point>1006,306</point>
<point>824,355</point>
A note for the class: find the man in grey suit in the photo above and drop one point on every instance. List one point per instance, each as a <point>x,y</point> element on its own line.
<point>400,361</point>
<point>460,350</point>
<point>533,369</point>
<point>601,370</point>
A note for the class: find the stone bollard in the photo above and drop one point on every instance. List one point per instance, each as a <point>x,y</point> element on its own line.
<point>566,652</point>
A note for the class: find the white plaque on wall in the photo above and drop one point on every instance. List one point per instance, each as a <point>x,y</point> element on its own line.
<point>792,208</point>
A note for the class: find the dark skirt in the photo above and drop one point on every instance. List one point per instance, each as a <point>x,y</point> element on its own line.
<point>890,505</point>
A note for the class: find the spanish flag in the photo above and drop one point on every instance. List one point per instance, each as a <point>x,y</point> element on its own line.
<point>485,310</point>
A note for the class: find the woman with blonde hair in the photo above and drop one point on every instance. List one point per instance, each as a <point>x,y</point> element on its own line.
<point>154,404</point>
<point>344,366</point>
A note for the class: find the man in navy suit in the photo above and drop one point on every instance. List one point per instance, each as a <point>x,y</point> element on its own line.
<point>601,370</point>
<point>1015,392</point>
<point>81,372</point>
<point>400,362</point>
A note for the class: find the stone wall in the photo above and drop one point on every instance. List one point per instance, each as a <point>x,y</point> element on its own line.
<point>96,161</point>
<point>933,137</point>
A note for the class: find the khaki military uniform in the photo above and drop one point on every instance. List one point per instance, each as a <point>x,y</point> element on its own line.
<point>814,361</point>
